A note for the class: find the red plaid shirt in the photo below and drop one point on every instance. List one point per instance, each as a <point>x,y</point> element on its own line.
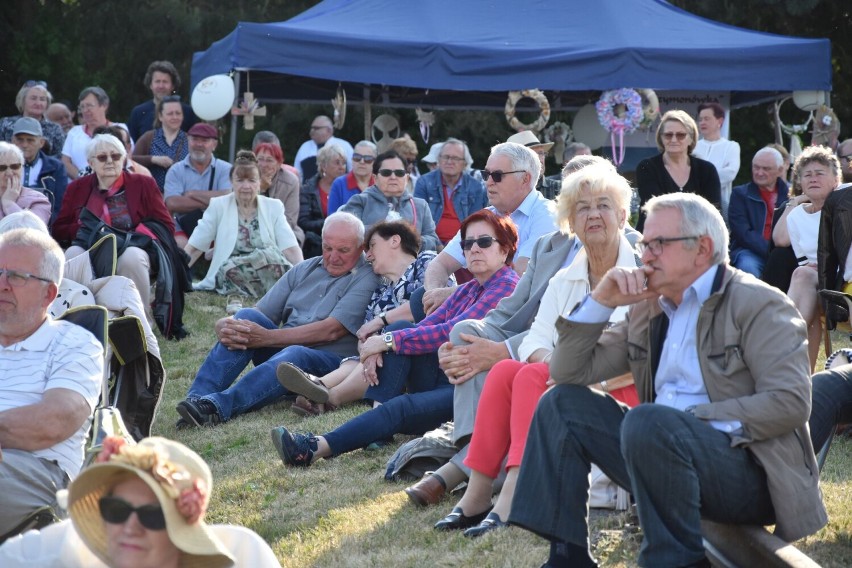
<point>470,301</point>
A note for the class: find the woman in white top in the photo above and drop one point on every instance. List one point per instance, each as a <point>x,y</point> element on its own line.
<point>594,202</point>
<point>817,171</point>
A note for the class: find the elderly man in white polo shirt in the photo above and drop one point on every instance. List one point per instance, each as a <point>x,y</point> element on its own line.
<point>50,373</point>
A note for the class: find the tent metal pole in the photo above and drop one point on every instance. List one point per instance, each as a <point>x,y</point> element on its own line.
<point>368,114</point>
<point>232,147</point>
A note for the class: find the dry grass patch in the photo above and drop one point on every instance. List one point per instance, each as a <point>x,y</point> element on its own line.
<point>342,512</point>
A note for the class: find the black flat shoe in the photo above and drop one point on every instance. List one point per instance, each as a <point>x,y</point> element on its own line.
<point>457,520</point>
<point>489,523</point>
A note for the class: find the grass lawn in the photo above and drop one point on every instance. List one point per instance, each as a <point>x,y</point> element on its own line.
<point>342,512</point>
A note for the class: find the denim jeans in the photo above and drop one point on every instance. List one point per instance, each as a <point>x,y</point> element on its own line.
<point>832,403</point>
<point>259,387</point>
<point>678,468</point>
<point>406,414</point>
<point>750,262</point>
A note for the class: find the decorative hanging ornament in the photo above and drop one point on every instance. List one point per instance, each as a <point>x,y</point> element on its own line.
<point>248,108</point>
<point>650,108</point>
<point>560,134</point>
<point>543,105</point>
<point>619,112</point>
<point>387,127</point>
<point>826,127</point>
<point>426,121</point>
<point>339,104</point>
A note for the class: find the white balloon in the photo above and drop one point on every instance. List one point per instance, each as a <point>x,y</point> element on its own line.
<point>808,100</point>
<point>587,128</point>
<point>213,97</point>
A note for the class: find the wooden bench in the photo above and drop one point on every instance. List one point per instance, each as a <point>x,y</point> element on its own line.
<point>742,546</point>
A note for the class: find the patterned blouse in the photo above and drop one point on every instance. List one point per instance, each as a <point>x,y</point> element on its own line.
<point>389,295</point>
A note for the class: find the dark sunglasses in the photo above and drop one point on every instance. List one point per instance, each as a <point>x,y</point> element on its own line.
<point>171,99</point>
<point>116,511</point>
<point>387,173</point>
<point>32,83</point>
<point>497,175</point>
<point>482,242</point>
<point>678,135</point>
<point>363,158</point>
<point>102,158</point>
<point>13,167</point>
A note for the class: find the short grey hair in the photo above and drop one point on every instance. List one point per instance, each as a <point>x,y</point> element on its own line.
<point>329,151</point>
<point>52,260</point>
<point>345,218</point>
<point>22,94</point>
<point>368,144</point>
<point>776,155</point>
<point>100,94</point>
<point>468,159</point>
<point>25,219</point>
<point>572,149</point>
<point>698,218</point>
<point>522,158</point>
<point>599,178</point>
<point>104,140</point>
<point>577,163</point>
<point>265,137</point>
<point>7,148</point>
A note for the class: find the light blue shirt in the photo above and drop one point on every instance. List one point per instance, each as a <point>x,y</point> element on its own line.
<point>679,382</point>
<point>183,177</point>
<point>534,217</point>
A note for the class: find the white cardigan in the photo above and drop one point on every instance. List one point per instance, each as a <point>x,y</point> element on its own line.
<point>220,223</point>
<point>568,287</point>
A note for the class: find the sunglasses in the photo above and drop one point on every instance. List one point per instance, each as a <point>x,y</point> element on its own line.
<point>482,242</point>
<point>31,83</point>
<point>171,99</point>
<point>363,158</point>
<point>388,173</point>
<point>116,511</point>
<point>678,135</point>
<point>103,158</point>
<point>498,175</point>
<point>13,167</point>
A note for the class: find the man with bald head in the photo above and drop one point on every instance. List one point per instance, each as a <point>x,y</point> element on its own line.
<point>322,133</point>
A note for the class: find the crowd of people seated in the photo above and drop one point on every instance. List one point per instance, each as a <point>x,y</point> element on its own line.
<point>525,309</point>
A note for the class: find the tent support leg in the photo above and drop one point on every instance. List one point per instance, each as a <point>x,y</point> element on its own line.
<point>232,147</point>
<point>368,115</point>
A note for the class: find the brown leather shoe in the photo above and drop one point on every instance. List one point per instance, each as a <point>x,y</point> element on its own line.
<point>427,491</point>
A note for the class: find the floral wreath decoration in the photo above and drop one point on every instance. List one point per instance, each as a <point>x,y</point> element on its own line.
<point>543,104</point>
<point>619,112</point>
<point>560,134</point>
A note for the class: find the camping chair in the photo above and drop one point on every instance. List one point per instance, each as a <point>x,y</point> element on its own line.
<point>839,305</point>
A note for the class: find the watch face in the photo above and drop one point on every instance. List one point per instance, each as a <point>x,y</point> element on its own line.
<point>388,337</point>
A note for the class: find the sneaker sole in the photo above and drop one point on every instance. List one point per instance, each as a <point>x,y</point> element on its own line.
<point>295,380</point>
<point>279,447</point>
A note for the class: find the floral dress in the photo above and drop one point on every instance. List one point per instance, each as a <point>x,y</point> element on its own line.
<point>391,295</point>
<point>254,266</point>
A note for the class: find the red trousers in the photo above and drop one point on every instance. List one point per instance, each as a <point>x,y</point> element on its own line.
<point>504,415</point>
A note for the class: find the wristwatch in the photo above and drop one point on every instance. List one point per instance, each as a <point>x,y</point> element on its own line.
<point>383,315</point>
<point>388,339</point>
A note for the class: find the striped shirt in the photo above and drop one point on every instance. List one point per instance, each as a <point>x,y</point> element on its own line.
<point>58,355</point>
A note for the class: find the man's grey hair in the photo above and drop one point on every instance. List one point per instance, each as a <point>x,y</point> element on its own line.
<point>100,94</point>
<point>572,149</point>
<point>368,144</point>
<point>7,148</point>
<point>345,218</point>
<point>698,218</point>
<point>52,259</point>
<point>522,159</point>
<point>468,159</point>
<point>265,137</point>
<point>577,163</point>
<point>104,141</point>
<point>776,155</point>
<point>25,219</point>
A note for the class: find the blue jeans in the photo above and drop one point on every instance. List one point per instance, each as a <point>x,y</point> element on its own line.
<point>678,468</point>
<point>832,403</point>
<point>750,262</point>
<point>406,414</point>
<point>259,387</point>
<point>401,373</point>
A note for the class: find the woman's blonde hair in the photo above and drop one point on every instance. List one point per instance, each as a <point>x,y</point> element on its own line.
<point>686,121</point>
<point>598,179</point>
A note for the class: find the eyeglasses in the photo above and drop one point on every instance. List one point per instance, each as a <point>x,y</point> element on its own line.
<point>387,173</point>
<point>103,158</point>
<point>847,158</point>
<point>679,135</point>
<point>32,83</point>
<point>319,127</point>
<point>450,159</point>
<point>498,175</point>
<point>656,245</point>
<point>363,158</point>
<point>116,511</point>
<point>13,167</point>
<point>482,242</point>
<point>17,279</point>
<point>85,107</point>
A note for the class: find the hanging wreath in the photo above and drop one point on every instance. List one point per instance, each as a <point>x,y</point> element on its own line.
<point>560,134</point>
<point>650,108</point>
<point>619,112</point>
<point>543,105</point>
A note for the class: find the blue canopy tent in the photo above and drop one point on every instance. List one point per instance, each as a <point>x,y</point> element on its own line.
<point>467,54</point>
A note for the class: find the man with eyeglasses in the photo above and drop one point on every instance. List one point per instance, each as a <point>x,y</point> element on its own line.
<point>322,133</point>
<point>50,375</point>
<point>162,79</point>
<point>451,192</point>
<point>844,154</point>
<point>751,211</point>
<point>41,172</point>
<point>721,368</point>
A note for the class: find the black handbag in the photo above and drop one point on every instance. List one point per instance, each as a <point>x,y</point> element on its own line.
<point>93,228</point>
